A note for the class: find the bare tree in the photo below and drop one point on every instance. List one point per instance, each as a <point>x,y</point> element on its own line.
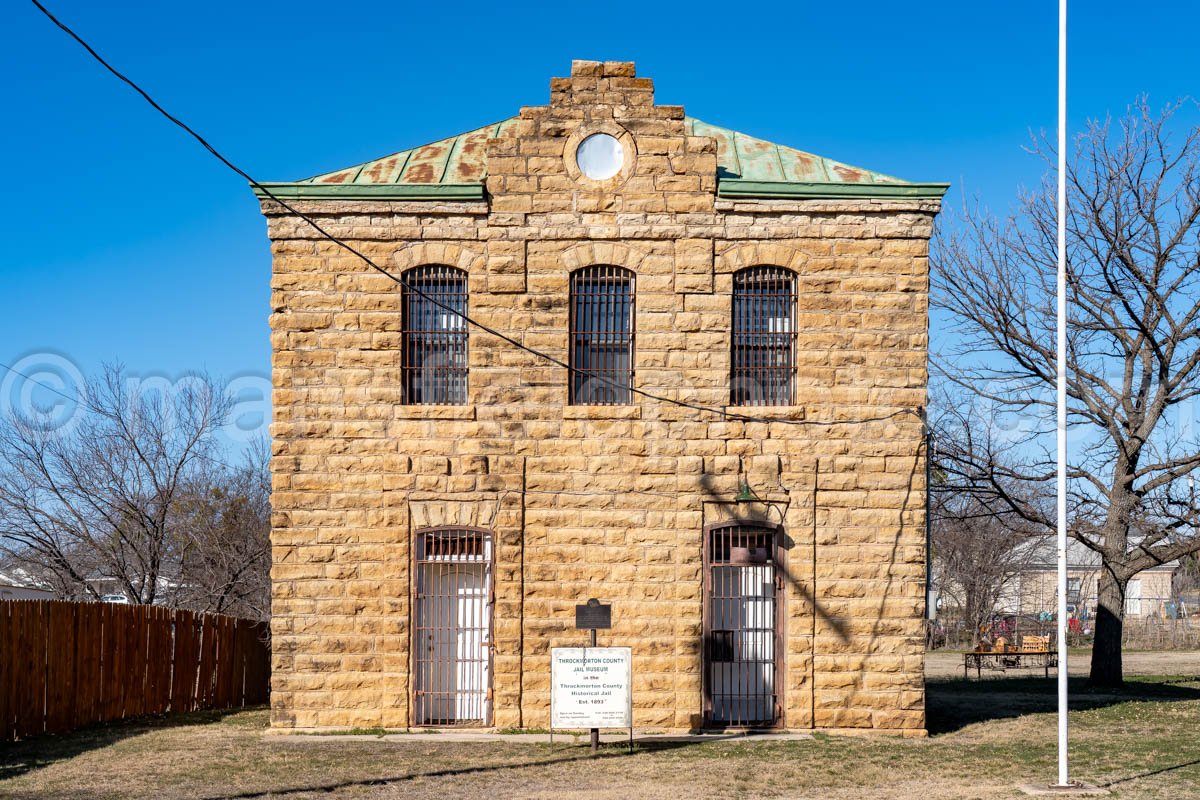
<point>979,546</point>
<point>976,558</point>
<point>1133,359</point>
<point>1185,583</point>
<point>223,527</point>
<point>100,500</point>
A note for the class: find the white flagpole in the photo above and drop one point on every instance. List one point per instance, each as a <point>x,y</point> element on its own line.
<point>1062,394</point>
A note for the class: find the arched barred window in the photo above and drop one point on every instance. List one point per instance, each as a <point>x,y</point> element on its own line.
<point>602,308</point>
<point>764,337</point>
<point>434,358</point>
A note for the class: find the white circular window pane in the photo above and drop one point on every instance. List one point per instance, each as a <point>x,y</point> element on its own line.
<point>600,156</point>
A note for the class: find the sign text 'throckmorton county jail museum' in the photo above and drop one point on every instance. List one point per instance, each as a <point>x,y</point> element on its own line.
<point>590,687</point>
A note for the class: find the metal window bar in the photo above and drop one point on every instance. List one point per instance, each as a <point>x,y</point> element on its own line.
<point>452,661</point>
<point>434,358</point>
<point>764,337</point>
<point>602,333</point>
<point>741,626</point>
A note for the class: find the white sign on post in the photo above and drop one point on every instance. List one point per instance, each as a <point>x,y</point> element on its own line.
<point>591,687</point>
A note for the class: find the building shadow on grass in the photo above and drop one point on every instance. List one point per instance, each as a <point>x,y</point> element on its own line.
<point>952,704</point>
<point>18,758</point>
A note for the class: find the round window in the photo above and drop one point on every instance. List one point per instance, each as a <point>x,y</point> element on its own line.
<point>600,156</point>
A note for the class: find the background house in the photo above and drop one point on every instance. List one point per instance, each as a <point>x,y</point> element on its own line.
<point>18,584</point>
<point>1035,589</point>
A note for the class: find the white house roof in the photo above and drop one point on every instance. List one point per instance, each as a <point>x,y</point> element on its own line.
<point>1045,555</point>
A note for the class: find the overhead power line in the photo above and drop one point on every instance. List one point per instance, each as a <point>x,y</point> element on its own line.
<point>721,412</point>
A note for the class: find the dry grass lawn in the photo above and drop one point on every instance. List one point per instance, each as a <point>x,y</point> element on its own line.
<point>987,736</point>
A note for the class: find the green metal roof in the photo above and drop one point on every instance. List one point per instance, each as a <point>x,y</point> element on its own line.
<point>455,168</point>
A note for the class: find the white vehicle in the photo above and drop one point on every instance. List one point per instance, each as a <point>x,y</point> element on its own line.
<point>114,598</point>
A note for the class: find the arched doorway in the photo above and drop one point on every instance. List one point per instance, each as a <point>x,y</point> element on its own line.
<point>452,654</point>
<point>742,625</point>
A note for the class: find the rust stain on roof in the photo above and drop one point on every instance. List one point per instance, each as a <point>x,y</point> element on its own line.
<point>759,159</point>
<point>384,170</point>
<point>468,163</point>
<point>419,173</point>
<point>427,164</point>
<point>802,167</point>
<point>848,174</point>
<point>341,176</point>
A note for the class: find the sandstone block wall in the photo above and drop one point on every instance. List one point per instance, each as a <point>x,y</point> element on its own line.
<point>592,500</point>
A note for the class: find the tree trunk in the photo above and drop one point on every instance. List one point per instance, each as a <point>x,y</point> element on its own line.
<point>1110,618</point>
<point>974,615</point>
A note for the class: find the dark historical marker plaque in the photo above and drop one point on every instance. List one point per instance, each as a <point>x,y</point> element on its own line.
<point>593,614</point>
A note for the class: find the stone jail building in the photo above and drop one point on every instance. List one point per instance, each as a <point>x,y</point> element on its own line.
<point>718,429</point>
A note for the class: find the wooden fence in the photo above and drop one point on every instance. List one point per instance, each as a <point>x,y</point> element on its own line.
<point>65,665</point>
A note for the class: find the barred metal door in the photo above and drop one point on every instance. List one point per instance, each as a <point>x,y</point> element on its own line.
<point>452,657</point>
<point>741,625</point>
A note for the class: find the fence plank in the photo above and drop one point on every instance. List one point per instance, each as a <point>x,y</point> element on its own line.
<point>79,644</point>
<point>110,663</point>
<point>157,655</point>
<point>84,679</point>
<point>88,649</point>
<point>20,665</point>
<point>135,684</point>
<point>60,666</point>
<point>31,712</point>
<point>183,689</point>
<point>7,714</point>
<point>166,624</point>
<point>225,663</point>
<point>204,686</point>
<point>261,685</point>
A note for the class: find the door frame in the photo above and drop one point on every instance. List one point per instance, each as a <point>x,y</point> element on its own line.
<point>777,559</point>
<point>489,564</point>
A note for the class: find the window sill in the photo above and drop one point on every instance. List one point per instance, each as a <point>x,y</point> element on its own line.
<point>435,412</point>
<point>774,412</point>
<point>602,412</point>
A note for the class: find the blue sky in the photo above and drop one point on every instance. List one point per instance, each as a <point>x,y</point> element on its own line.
<point>125,241</point>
